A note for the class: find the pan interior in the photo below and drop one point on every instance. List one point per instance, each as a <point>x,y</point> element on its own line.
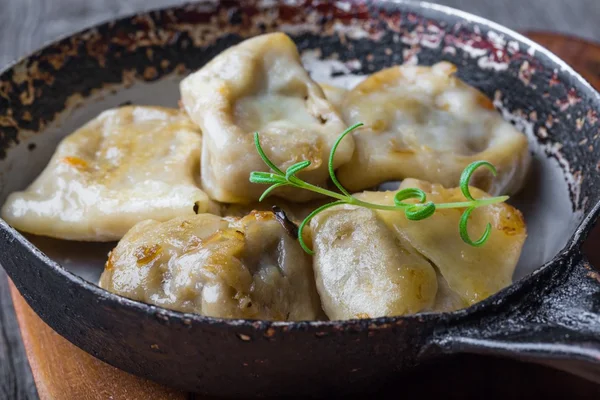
<point>545,202</point>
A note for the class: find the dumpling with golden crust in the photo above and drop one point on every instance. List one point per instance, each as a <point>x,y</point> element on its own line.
<point>295,212</point>
<point>261,86</point>
<point>127,165</point>
<point>249,267</point>
<point>335,95</point>
<point>425,123</point>
<point>473,273</point>
<point>364,269</point>
<point>446,299</point>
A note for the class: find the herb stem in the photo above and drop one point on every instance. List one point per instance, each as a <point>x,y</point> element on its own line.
<point>464,204</point>
<point>318,189</point>
<point>356,202</point>
<point>308,218</point>
<point>475,203</point>
<point>414,211</point>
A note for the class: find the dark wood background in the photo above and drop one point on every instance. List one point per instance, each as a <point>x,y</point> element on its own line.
<point>27,24</point>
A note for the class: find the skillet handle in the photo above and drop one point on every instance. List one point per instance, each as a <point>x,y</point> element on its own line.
<point>552,318</point>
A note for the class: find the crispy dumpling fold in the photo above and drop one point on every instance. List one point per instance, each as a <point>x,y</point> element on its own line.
<point>473,273</point>
<point>335,95</point>
<point>295,212</point>
<point>446,299</point>
<point>364,269</point>
<point>249,267</point>
<point>126,165</point>
<point>261,86</point>
<point>425,123</point>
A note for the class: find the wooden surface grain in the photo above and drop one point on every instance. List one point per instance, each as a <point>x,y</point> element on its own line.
<point>27,24</point>
<point>16,381</point>
<point>63,371</point>
<point>582,55</point>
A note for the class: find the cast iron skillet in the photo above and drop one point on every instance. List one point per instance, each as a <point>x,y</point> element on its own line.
<point>550,315</point>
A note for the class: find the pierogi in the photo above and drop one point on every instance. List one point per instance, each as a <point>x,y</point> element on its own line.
<point>473,273</point>
<point>249,267</point>
<point>335,95</point>
<point>295,212</point>
<point>172,186</point>
<point>127,165</point>
<point>425,123</point>
<point>446,299</point>
<point>373,263</point>
<point>261,86</point>
<point>364,269</point>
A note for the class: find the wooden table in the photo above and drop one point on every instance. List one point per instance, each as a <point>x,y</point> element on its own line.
<point>62,371</point>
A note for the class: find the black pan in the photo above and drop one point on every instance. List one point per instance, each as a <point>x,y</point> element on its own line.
<point>550,315</point>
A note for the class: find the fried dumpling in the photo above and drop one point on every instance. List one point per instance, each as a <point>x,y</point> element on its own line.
<point>474,273</point>
<point>295,212</point>
<point>261,86</point>
<point>425,123</point>
<point>249,267</point>
<point>365,269</point>
<point>335,95</point>
<point>446,299</point>
<point>127,165</point>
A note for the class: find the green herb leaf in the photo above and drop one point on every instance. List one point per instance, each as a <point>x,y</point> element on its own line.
<point>332,154</point>
<point>412,211</point>
<point>264,156</point>
<point>265,178</point>
<point>409,193</point>
<point>307,220</point>
<point>417,212</point>
<point>468,172</point>
<point>293,169</point>
<point>464,233</point>
<point>269,190</point>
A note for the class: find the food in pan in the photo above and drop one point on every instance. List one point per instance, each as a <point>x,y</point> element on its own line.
<point>261,85</point>
<point>364,269</point>
<point>377,262</point>
<point>413,211</point>
<point>258,201</point>
<point>425,123</point>
<point>249,267</point>
<point>126,165</point>
<point>335,95</point>
<point>446,299</point>
<point>473,272</point>
<point>295,212</point>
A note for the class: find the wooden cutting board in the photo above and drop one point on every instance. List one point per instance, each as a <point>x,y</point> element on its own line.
<point>63,371</point>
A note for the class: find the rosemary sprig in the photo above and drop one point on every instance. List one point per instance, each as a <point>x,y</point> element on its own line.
<point>414,212</point>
